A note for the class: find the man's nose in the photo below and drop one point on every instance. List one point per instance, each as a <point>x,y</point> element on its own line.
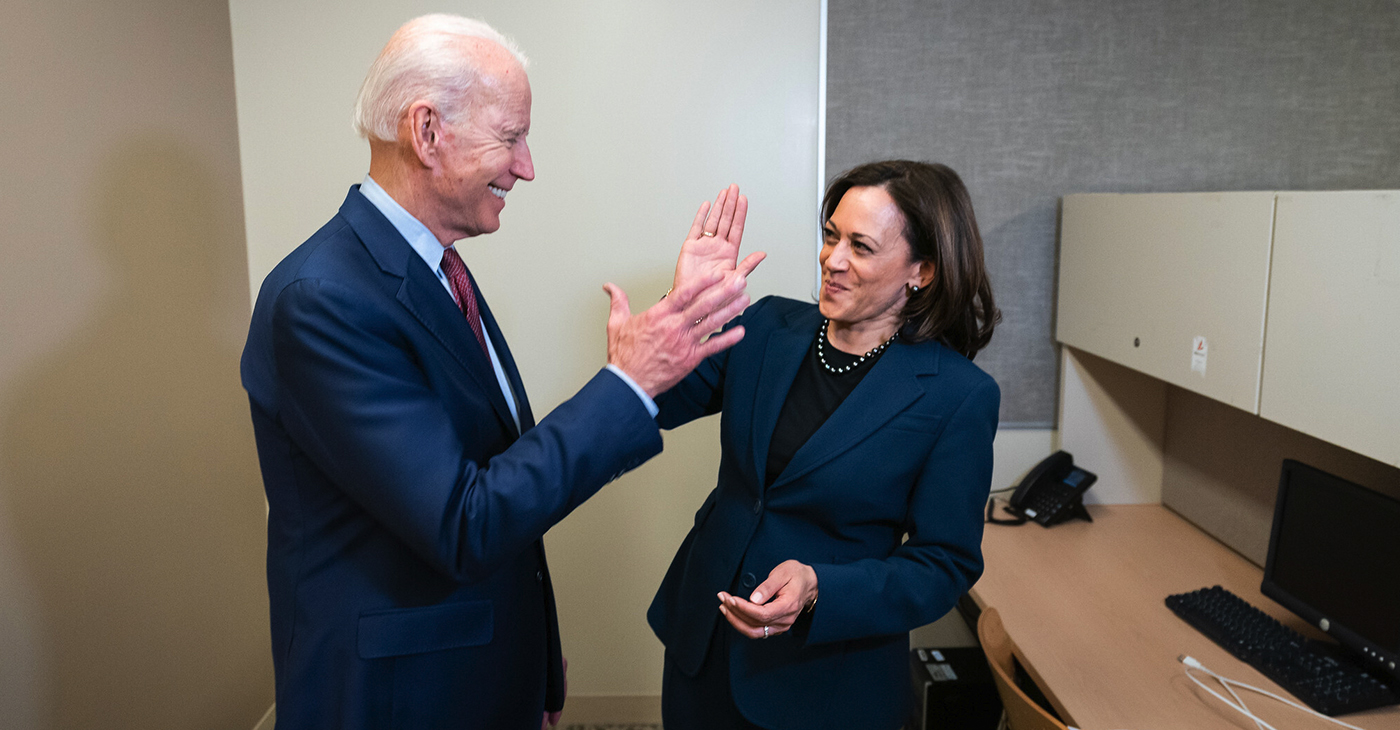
<point>523,167</point>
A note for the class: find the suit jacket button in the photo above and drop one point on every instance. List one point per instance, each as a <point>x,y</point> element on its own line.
<point>539,575</point>
<point>748,580</point>
<point>757,506</point>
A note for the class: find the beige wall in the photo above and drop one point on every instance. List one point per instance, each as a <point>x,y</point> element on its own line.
<point>131,514</point>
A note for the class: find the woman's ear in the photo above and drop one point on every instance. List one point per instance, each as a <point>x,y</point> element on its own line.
<point>926,272</point>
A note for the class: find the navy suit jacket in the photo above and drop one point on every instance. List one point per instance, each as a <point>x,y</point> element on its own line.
<point>908,452</point>
<point>406,575</point>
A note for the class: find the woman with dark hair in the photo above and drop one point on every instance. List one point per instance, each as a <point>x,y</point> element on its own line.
<point>857,457</point>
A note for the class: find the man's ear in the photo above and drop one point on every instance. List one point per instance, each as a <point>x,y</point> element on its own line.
<point>424,132</point>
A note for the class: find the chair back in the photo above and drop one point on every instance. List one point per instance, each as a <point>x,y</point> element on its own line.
<point>1022,713</point>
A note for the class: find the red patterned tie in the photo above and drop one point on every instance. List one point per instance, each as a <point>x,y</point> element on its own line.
<point>463,292</point>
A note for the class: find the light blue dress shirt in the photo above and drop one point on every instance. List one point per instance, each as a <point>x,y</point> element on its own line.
<point>430,250</point>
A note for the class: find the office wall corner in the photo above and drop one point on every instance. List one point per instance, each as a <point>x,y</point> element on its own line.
<point>1113,420</point>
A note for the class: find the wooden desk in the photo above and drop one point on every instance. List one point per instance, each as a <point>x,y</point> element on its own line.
<point>1084,603</point>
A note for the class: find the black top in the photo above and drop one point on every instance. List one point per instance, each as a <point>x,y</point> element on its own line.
<point>814,396</point>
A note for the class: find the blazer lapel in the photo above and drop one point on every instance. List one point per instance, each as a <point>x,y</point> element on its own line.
<point>889,388</point>
<point>498,341</point>
<point>423,296</point>
<point>781,358</point>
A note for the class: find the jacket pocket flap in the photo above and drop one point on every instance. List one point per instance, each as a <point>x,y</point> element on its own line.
<point>397,632</point>
<point>916,422</point>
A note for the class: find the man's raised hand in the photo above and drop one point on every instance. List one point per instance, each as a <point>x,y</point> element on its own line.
<point>658,347</point>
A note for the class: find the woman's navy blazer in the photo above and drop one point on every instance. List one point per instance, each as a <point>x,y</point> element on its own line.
<point>909,452</point>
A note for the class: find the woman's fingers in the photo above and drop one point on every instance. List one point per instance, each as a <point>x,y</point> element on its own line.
<point>750,629</point>
<point>751,262</point>
<point>711,227</point>
<point>736,230</point>
<point>781,611</point>
<point>726,213</point>
<point>698,224</point>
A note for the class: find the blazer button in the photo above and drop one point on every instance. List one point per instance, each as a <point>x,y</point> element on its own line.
<point>757,506</point>
<point>748,580</point>
<point>539,575</point>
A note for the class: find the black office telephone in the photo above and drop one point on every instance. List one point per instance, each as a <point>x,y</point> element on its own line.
<point>1051,493</point>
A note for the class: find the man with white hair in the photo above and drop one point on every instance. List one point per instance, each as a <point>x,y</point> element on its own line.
<point>408,484</point>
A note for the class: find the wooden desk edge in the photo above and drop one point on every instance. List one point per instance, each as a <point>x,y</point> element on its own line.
<point>1065,715</point>
<point>1227,556</point>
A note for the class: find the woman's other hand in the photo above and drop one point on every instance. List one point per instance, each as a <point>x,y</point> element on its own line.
<point>775,604</point>
<point>712,245</point>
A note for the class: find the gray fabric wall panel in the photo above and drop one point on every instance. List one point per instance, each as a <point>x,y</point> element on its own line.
<point>1030,101</point>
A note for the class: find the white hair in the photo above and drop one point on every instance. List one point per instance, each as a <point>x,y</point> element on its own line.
<point>424,61</point>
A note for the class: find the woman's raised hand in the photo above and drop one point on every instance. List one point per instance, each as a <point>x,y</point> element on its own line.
<point>712,245</point>
<point>775,604</point>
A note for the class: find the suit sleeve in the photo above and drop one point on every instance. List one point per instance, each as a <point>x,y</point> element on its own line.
<point>356,400</point>
<point>942,556</point>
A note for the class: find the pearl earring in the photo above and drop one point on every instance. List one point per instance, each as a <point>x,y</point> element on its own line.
<point>913,289</point>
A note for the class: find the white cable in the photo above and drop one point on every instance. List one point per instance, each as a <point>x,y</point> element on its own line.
<point>1240,708</point>
<point>1192,663</point>
<point>1257,722</point>
<point>1243,707</point>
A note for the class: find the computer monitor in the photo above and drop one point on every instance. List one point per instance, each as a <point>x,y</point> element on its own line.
<point>1334,559</point>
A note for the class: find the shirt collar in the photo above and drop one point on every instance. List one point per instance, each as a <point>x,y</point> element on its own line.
<point>418,236</point>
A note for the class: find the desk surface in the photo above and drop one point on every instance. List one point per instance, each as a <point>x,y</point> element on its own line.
<point>1084,604</point>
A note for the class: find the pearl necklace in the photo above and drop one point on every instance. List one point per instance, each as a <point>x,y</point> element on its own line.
<point>821,355</point>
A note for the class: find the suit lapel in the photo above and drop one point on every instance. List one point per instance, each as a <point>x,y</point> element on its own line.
<point>889,388</point>
<point>423,296</point>
<point>498,341</point>
<point>781,358</point>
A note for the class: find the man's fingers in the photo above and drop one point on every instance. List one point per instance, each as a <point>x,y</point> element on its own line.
<point>713,298</point>
<point>721,342</point>
<point>708,323</point>
<point>683,296</point>
<point>699,223</point>
<point>751,262</point>
<point>724,311</point>
<point>619,309</point>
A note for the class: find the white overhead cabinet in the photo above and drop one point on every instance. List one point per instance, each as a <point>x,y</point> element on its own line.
<point>1286,305</point>
<point>1171,285</point>
<point>1332,352</point>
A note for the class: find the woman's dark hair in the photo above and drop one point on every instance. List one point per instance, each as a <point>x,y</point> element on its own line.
<point>957,308</point>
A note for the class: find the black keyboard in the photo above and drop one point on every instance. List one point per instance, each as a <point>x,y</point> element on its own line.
<point>1315,672</point>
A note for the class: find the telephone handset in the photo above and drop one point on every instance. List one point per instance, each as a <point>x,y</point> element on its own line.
<point>1051,493</point>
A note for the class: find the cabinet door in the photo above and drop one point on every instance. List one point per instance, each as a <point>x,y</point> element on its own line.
<point>1172,285</point>
<point>1332,352</point>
